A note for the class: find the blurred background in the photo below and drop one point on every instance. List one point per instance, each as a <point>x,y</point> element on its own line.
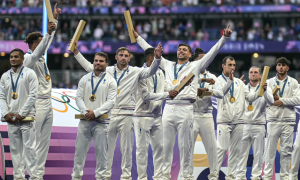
<point>263,30</point>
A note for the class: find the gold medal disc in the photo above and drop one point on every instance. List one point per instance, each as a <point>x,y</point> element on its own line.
<point>48,78</point>
<point>250,108</point>
<point>118,91</point>
<point>14,95</point>
<point>93,97</point>
<point>232,99</point>
<point>175,81</point>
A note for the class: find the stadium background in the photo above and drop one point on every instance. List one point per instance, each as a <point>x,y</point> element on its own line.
<point>263,30</point>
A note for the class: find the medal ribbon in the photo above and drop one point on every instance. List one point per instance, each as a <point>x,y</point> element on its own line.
<point>115,74</point>
<point>232,86</point>
<point>175,69</point>
<point>281,92</point>
<point>92,81</point>
<point>154,80</point>
<point>250,103</point>
<point>12,82</point>
<point>202,84</point>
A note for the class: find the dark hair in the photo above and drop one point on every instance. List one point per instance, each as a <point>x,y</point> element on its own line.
<point>181,44</point>
<point>21,52</point>
<point>32,38</point>
<point>102,54</point>
<point>283,60</point>
<point>123,49</point>
<point>149,52</point>
<point>227,57</point>
<point>197,52</point>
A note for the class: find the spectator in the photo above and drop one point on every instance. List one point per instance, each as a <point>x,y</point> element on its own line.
<point>200,35</point>
<point>98,33</point>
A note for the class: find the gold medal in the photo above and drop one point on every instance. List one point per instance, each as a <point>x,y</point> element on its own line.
<point>250,108</point>
<point>232,99</point>
<point>93,97</point>
<point>47,77</point>
<point>175,81</point>
<point>14,95</point>
<point>118,91</point>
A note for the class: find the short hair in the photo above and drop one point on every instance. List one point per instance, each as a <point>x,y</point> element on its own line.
<point>102,54</point>
<point>259,69</point>
<point>197,52</point>
<point>21,52</point>
<point>123,49</point>
<point>149,52</point>
<point>32,38</point>
<point>227,57</point>
<point>283,60</point>
<point>189,47</point>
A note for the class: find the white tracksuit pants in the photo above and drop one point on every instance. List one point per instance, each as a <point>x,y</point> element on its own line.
<point>286,135</point>
<point>229,138</point>
<point>22,144</point>
<point>43,126</point>
<point>123,126</point>
<point>252,134</point>
<point>178,118</point>
<point>204,126</point>
<point>88,130</point>
<point>295,157</point>
<point>149,130</point>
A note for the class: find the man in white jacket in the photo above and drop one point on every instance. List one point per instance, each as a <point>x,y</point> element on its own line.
<point>121,123</point>
<point>230,116</point>
<point>147,121</point>
<point>178,115</point>
<point>281,120</point>
<point>254,128</point>
<point>18,93</point>
<point>96,96</point>
<point>204,123</point>
<point>35,59</point>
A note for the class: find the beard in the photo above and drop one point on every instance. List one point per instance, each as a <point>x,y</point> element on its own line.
<point>183,59</point>
<point>16,65</point>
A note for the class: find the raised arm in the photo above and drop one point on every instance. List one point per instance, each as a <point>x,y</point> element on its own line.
<point>56,13</point>
<point>144,45</point>
<point>209,57</point>
<point>3,102</point>
<point>147,96</point>
<point>82,61</point>
<point>295,100</point>
<point>149,71</point>
<point>33,93</point>
<point>31,59</point>
<point>79,96</point>
<point>110,102</point>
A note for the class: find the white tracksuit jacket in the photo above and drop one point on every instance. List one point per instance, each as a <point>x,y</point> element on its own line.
<point>106,95</point>
<point>149,104</point>
<point>26,90</point>
<point>22,136</point>
<point>233,113</point>
<point>36,60</point>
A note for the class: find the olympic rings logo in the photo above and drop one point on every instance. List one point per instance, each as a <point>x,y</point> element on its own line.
<point>65,99</point>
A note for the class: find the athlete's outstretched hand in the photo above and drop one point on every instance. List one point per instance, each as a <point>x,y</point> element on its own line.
<point>158,51</point>
<point>227,31</point>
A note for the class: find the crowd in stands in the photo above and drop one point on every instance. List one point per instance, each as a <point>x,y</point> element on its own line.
<point>110,3</point>
<point>163,28</point>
